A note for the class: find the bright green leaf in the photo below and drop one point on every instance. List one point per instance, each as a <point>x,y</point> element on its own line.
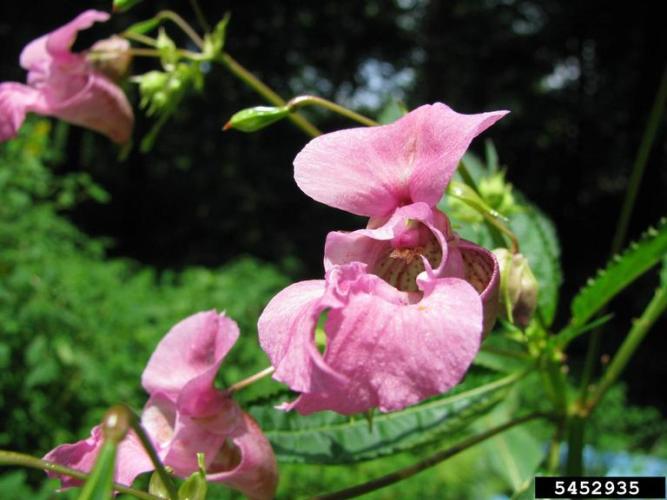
<point>143,27</point>
<point>619,273</point>
<point>329,438</point>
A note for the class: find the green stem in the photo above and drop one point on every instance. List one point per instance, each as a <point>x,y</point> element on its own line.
<point>428,462</point>
<point>311,100</point>
<point>183,24</point>
<point>637,333</point>
<point>137,37</point>
<point>575,445</point>
<point>495,225</point>
<point>638,168</point>
<point>265,91</point>
<point>553,456</point>
<point>166,479</point>
<point>201,18</point>
<point>250,380</point>
<point>20,459</point>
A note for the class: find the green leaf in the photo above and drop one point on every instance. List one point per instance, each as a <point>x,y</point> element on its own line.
<point>215,41</point>
<point>329,438</point>
<point>504,355</point>
<point>124,5</point>
<point>143,27</point>
<point>194,488</point>
<point>391,112</point>
<point>515,454</point>
<point>99,485</point>
<point>619,273</point>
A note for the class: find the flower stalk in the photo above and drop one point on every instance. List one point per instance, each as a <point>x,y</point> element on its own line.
<point>23,460</point>
<point>311,100</point>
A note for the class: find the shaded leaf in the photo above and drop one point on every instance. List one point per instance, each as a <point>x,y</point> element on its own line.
<point>329,438</point>
<point>622,270</point>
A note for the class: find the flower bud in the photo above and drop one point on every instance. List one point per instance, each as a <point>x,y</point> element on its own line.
<point>253,119</point>
<point>497,192</point>
<point>111,57</point>
<point>518,287</point>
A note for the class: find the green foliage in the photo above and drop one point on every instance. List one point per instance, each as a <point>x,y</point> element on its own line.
<point>534,230</point>
<point>76,329</point>
<point>619,273</point>
<point>329,438</point>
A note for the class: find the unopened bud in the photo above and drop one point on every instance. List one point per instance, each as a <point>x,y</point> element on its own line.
<point>111,57</point>
<point>116,423</point>
<point>497,193</point>
<point>253,119</point>
<point>518,287</point>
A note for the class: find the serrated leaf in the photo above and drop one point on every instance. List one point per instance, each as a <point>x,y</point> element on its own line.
<point>501,354</point>
<point>620,272</point>
<point>329,438</point>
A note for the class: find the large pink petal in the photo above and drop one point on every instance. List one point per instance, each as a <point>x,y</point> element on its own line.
<point>131,459</point>
<point>99,105</point>
<point>286,329</point>
<point>192,351</point>
<point>256,474</point>
<point>15,101</point>
<point>57,44</point>
<point>372,171</point>
<point>394,353</point>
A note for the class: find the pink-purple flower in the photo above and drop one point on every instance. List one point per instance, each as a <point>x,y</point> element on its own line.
<point>186,415</point>
<point>65,85</point>
<point>406,301</point>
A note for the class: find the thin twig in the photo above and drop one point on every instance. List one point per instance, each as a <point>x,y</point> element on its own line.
<point>21,459</point>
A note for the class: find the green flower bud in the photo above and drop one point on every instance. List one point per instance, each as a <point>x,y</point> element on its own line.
<point>253,119</point>
<point>518,287</point>
<point>497,193</point>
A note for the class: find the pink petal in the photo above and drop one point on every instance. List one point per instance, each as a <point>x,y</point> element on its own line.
<point>131,459</point>
<point>57,44</point>
<point>191,353</point>
<point>99,105</point>
<point>391,351</point>
<point>15,101</point>
<point>256,475</point>
<point>286,328</point>
<point>482,272</point>
<point>372,171</point>
<point>368,245</point>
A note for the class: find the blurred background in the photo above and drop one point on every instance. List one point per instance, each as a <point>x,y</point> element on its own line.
<point>98,257</point>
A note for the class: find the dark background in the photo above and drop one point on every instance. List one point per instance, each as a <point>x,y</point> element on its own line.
<point>579,78</point>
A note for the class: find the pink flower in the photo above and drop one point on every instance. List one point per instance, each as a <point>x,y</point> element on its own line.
<point>65,85</point>
<point>407,301</point>
<point>186,415</point>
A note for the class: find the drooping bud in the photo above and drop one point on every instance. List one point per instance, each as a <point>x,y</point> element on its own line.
<point>253,119</point>
<point>111,56</point>
<point>518,287</point>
